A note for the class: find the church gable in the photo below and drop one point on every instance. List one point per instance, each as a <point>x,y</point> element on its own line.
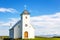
<point>18,23</point>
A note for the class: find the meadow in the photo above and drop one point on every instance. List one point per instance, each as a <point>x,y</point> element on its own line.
<point>36,38</point>
<point>41,38</point>
<point>45,39</point>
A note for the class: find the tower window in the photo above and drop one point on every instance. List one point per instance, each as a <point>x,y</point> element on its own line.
<point>26,25</point>
<point>18,26</point>
<point>26,17</point>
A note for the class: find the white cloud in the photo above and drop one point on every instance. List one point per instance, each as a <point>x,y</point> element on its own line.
<point>4,32</point>
<point>11,10</point>
<point>47,24</point>
<point>44,25</point>
<point>5,26</point>
<point>11,20</point>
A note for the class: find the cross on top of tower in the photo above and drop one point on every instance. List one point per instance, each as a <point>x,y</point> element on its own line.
<point>25,12</point>
<point>25,7</point>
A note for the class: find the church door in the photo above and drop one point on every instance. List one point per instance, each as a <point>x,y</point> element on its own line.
<point>25,34</point>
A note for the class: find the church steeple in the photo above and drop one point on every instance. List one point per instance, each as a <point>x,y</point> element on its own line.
<point>25,12</point>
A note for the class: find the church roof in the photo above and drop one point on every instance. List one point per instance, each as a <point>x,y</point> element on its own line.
<point>25,12</point>
<point>15,24</point>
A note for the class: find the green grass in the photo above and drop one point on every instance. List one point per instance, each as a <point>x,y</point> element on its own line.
<point>4,37</point>
<point>37,38</point>
<point>47,39</point>
<point>43,39</point>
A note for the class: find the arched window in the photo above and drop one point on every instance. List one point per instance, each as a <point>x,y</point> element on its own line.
<point>18,26</point>
<point>26,17</point>
<point>26,25</point>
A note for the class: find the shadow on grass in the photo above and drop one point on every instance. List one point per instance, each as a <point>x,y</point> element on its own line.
<point>15,39</point>
<point>8,39</point>
<point>12,39</point>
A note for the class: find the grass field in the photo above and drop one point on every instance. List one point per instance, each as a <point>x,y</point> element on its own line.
<point>42,39</point>
<point>46,39</point>
<point>36,38</point>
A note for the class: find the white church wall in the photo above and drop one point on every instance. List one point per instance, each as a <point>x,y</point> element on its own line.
<point>17,31</point>
<point>29,29</point>
<point>25,21</point>
<point>31,32</point>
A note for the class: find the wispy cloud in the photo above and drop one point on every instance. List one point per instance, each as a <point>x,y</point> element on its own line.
<point>47,24</point>
<point>5,26</point>
<point>4,32</point>
<point>11,10</point>
<point>44,25</point>
<point>11,20</point>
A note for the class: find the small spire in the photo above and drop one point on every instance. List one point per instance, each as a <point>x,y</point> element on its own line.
<point>25,7</point>
<point>10,25</point>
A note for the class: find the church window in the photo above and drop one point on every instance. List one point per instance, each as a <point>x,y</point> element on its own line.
<point>18,26</point>
<point>26,25</point>
<point>26,17</point>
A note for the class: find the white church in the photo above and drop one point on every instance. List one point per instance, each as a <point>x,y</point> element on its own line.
<point>23,28</point>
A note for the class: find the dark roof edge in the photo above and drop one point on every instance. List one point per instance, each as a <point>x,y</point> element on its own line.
<point>15,24</point>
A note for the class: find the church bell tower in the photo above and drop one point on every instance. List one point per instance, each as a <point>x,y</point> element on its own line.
<point>25,24</point>
<point>27,29</point>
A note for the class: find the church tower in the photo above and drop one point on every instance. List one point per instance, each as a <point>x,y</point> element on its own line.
<point>27,30</point>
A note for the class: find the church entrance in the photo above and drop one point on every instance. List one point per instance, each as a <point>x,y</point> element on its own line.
<point>25,34</point>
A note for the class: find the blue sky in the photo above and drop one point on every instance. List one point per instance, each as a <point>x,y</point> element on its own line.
<point>45,13</point>
<point>42,6</point>
<point>37,7</point>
